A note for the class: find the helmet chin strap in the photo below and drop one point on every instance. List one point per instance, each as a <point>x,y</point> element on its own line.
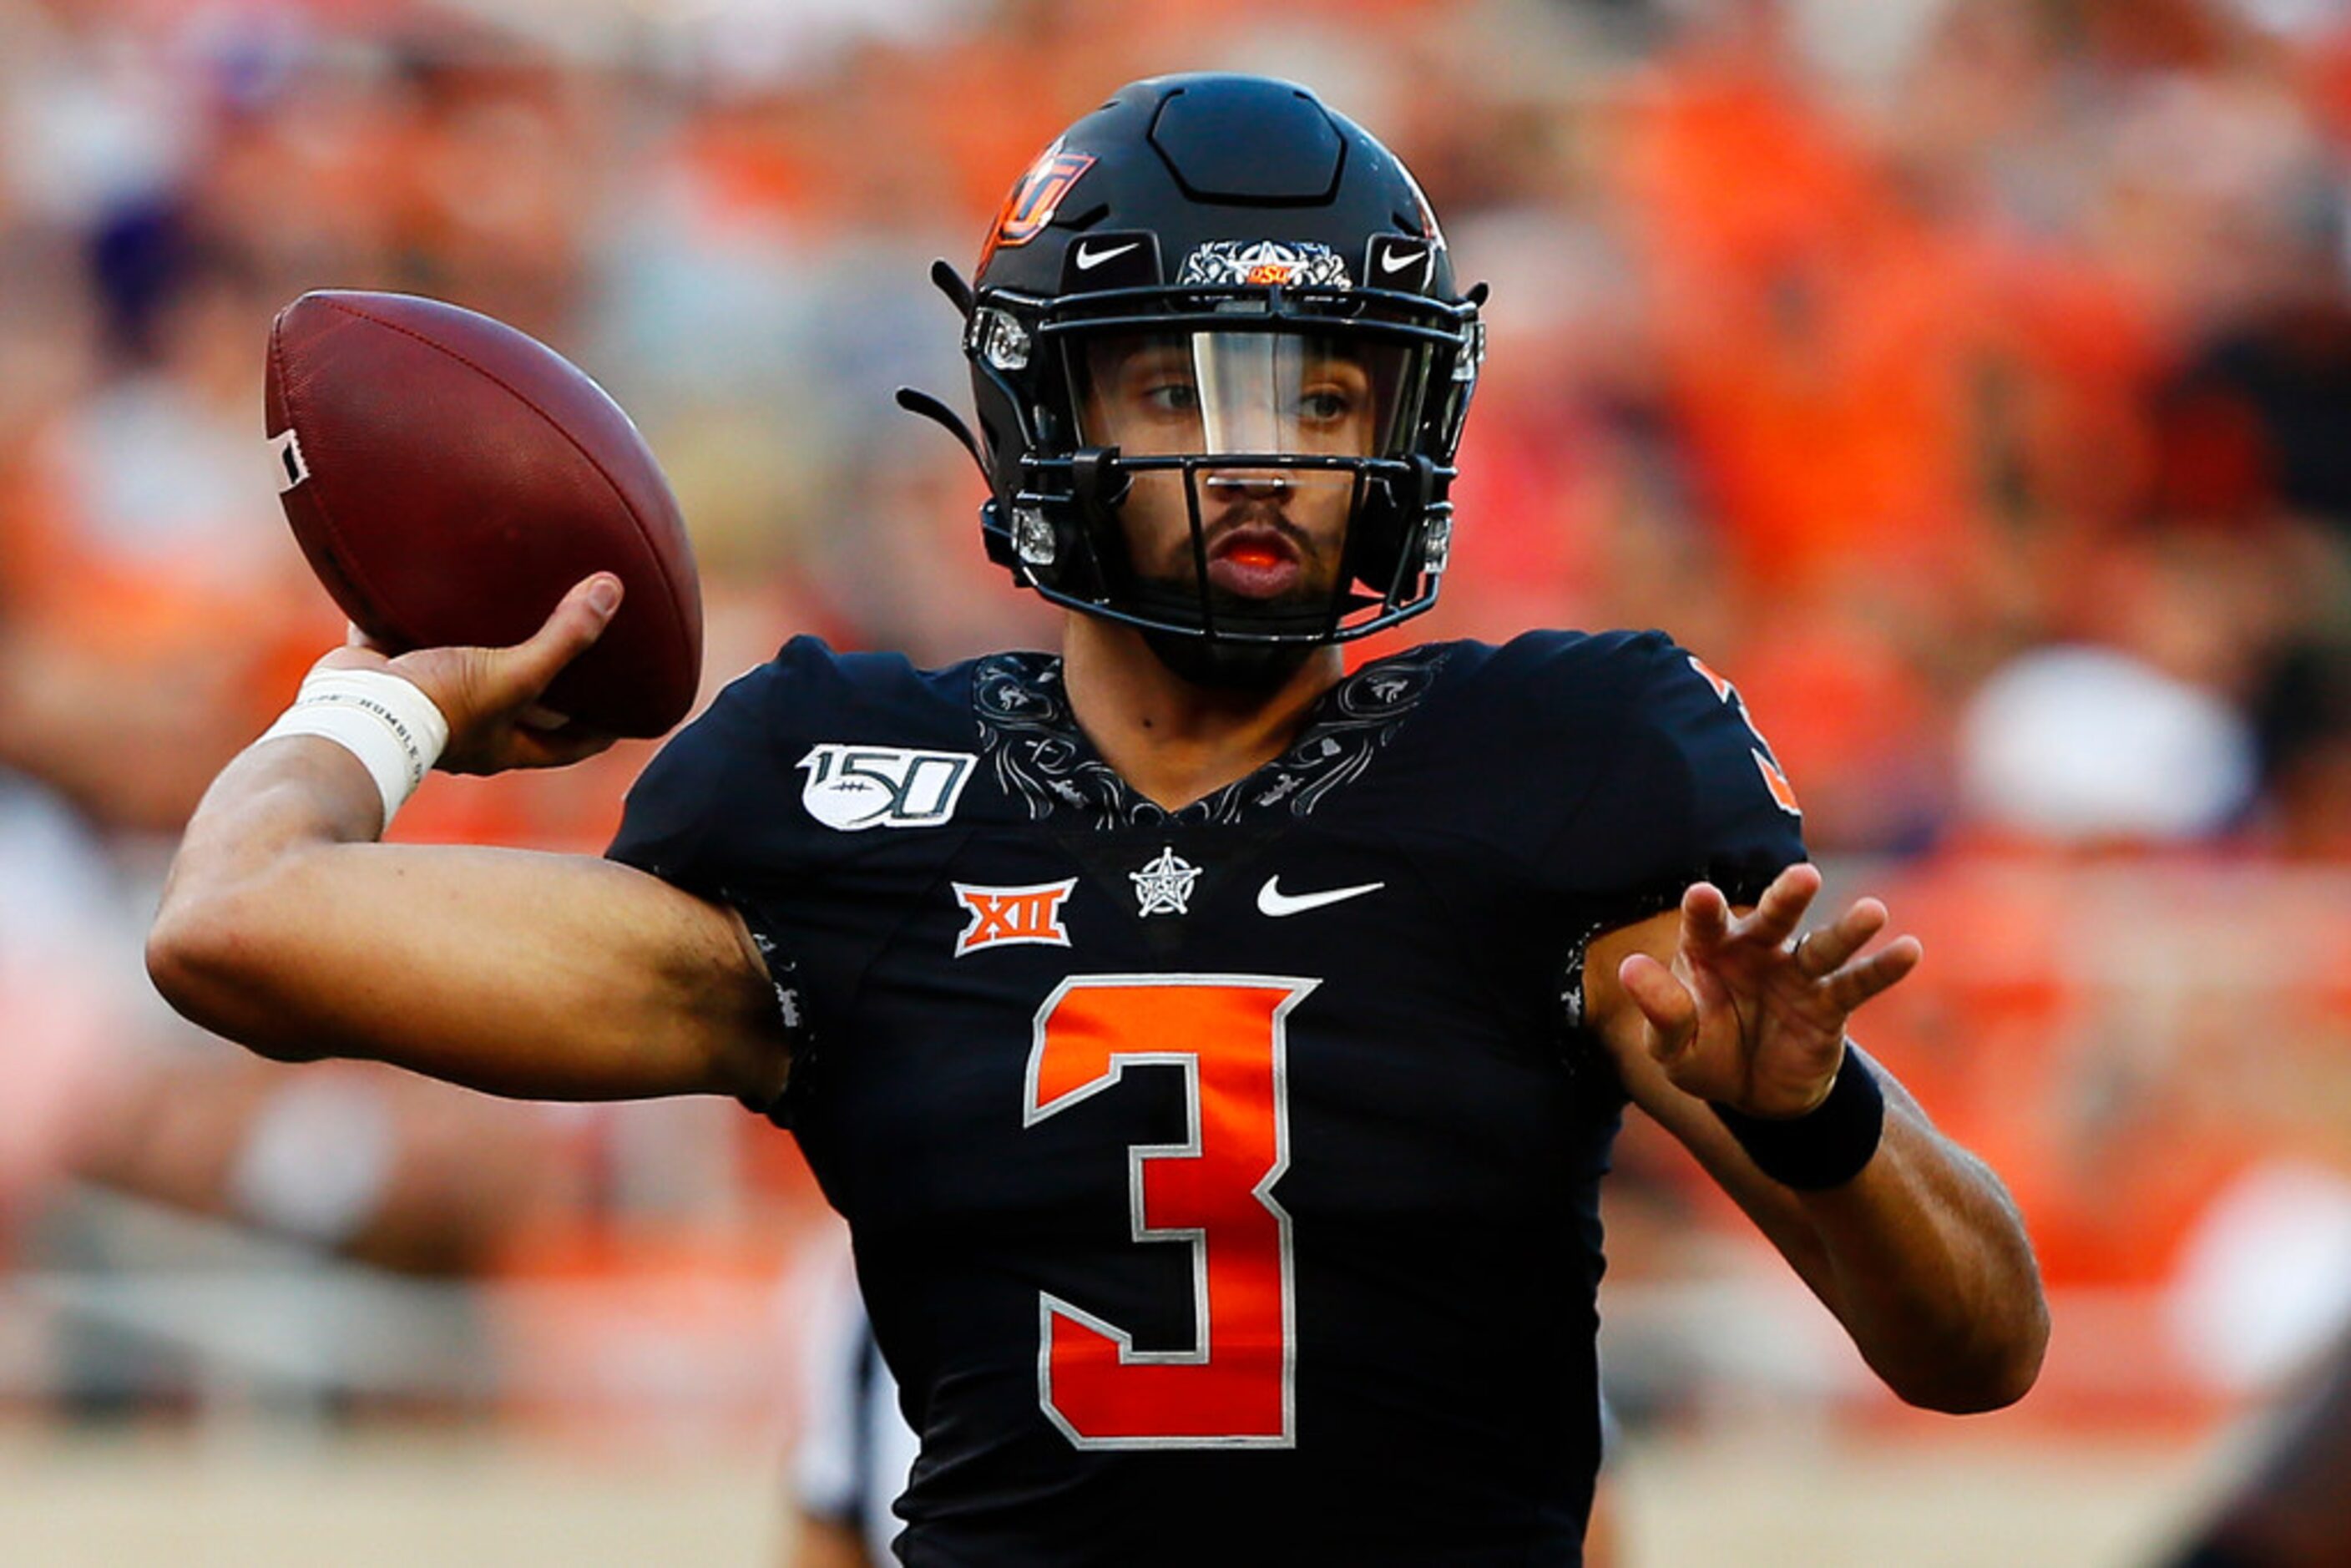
<point>913,399</point>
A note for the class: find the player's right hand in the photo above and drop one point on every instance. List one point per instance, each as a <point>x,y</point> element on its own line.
<point>490,695</point>
<point>1739,1015</point>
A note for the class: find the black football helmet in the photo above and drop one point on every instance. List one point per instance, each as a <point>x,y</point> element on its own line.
<point>1242,239</point>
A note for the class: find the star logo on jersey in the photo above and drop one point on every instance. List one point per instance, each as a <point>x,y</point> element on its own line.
<point>1165,886</point>
<point>1010,916</point>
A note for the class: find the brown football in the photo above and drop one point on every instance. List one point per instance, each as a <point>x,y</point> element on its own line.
<point>450,477</point>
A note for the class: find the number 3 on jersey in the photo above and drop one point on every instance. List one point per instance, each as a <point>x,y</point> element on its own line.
<point>1233,1388</point>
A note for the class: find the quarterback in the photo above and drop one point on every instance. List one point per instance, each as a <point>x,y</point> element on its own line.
<point>1216,1054</point>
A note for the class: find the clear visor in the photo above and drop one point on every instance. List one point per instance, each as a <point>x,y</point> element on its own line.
<point>1155,394</point>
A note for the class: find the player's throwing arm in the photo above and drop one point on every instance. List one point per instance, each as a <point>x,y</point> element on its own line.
<point>285,926</point>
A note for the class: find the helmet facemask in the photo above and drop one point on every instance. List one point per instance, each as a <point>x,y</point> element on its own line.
<point>1241,465</point>
<point>1245,460</point>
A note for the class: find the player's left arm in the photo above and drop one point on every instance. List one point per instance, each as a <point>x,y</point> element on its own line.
<point>1920,1253</point>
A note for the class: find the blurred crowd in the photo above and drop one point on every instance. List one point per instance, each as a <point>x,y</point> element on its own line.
<point>1967,380</point>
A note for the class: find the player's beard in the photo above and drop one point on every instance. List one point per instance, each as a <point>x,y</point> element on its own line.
<point>1227,665</point>
<point>1224,663</point>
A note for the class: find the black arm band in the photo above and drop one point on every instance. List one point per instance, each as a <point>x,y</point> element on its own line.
<point>1828,1145</point>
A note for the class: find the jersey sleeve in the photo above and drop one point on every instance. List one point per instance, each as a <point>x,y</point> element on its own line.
<point>701,815</point>
<point>1687,790</point>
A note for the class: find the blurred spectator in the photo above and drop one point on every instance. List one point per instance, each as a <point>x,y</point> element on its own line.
<point>2086,746</point>
<point>62,1011</point>
<point>855,1449</point>
<point>2292,1510</point>
<point>2305,728</point>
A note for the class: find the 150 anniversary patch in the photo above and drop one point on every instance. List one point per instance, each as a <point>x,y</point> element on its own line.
<point>850,788</point>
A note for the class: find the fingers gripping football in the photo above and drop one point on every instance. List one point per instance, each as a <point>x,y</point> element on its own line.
<point>1747,1017</point>
<point>491,696</point>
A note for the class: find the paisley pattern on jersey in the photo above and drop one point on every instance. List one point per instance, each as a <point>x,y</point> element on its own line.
<point>1029,737</point>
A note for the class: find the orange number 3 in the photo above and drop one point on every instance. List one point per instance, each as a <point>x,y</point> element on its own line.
<point>1215,1191</point>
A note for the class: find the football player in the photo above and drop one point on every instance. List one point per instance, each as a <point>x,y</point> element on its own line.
<point>2292,1510</point>
<point>855,1449</point>
<point>1216,1055</point>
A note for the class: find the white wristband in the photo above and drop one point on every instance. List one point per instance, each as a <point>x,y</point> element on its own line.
<point>388,723</point>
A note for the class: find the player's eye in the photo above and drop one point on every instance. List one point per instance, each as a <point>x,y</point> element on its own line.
<point>1171,396</point>
<point>1325,405</point>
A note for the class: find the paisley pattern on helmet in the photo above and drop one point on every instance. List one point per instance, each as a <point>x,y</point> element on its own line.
<point>1300,264</point>
<point>1031,741</point>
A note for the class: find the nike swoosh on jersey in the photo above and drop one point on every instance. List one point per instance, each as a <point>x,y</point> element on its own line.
<point>1088,260</point>
<point>1271,900</point>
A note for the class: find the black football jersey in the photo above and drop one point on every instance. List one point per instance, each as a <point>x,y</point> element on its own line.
<point>1223,1181</point>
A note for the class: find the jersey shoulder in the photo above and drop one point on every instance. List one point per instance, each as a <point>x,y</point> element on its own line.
<point>1645,758</point>
<point>858,740</point>
<point>1542,676</point>
<point>1586,693</point>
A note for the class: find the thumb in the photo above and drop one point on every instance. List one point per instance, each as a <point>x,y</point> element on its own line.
<point>567,633</point>
<point>1664,1001</point>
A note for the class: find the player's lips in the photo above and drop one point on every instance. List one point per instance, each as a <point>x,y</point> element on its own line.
<point>1256,561</point>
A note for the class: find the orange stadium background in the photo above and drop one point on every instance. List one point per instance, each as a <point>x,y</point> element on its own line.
<point>1969,381</point>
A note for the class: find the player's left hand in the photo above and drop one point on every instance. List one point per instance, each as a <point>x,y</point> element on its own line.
<point>1747,1018</point>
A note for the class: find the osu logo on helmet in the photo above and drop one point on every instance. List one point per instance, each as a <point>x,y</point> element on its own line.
<point>1035,198</point>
